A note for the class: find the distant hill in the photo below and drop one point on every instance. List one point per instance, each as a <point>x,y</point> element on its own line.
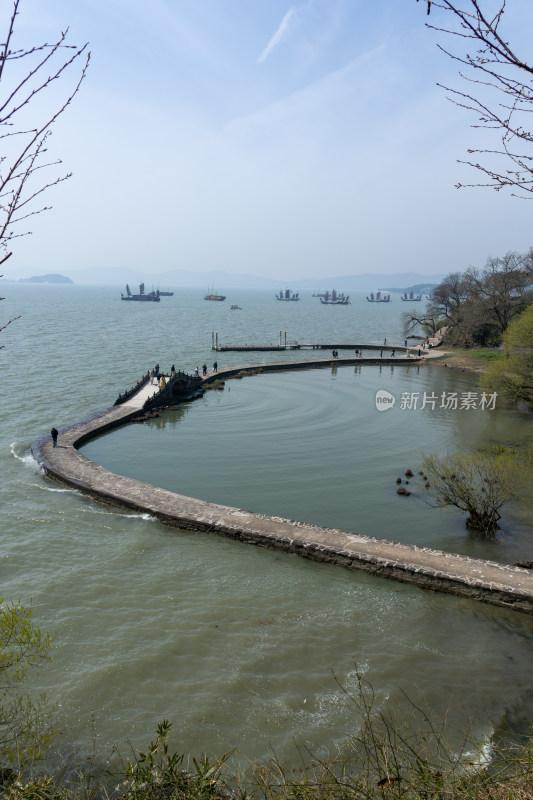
<point>417,288</point>
<point>223,281</point>
<point>51,278</point>
<point>367,282</point>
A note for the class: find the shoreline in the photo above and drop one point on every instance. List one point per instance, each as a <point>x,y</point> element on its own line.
<point>475,359</point>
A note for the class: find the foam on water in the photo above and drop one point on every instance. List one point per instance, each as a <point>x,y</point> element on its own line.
<point>53,489</point>
<point>21,453</point>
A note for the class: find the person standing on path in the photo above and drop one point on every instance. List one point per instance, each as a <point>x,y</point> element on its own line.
<point>54,435</point>
<point>215,366</point>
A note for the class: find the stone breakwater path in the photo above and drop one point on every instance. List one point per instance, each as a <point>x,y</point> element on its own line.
<point>490,582</point>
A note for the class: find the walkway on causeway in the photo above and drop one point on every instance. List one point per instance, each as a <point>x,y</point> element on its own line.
<point>491,582</point>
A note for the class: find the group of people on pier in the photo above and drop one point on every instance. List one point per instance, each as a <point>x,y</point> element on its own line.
<point>205,370</point>
<point>158,378</point>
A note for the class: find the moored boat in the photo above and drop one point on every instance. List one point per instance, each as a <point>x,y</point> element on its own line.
<point>212,296</point>
<point>287,295</point>
<point>142,296</point>
<point>335,299</point>
<point>379,297</point>
<point>411,297</point>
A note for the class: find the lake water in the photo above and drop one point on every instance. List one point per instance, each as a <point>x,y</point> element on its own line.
<point>239,646</point>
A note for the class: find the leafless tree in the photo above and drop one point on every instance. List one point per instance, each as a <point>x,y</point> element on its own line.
<point>479,484</point>
<point>428,321</point>
<point>449,295</point>
<point>500,92</point>
<point>479,304</point>
<point>503,289</point>
<point>27,74</point>
<point>9,320</point>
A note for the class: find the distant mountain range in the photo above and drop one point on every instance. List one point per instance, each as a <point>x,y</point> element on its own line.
<point>365,282</point>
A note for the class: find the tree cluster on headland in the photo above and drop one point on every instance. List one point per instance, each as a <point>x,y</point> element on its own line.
<point>490,307</point>
<point>476,306</point>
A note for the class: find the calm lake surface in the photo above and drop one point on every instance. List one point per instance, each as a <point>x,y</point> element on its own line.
<point>239,646</point>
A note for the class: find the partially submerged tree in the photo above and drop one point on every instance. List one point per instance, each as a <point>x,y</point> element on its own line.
<point>479,484</point>
<point>499,90</point>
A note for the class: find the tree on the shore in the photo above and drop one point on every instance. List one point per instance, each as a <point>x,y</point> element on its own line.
<point>428,322</point>
<point>499,90</point>
<point>447,297</point>
<point>23,720</point>
<point>478,305</point>
<point>513,375</point>
<point>479,484</point>
<point>503,289</point>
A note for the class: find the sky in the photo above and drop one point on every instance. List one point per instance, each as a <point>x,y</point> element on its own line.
<point>287,140</point>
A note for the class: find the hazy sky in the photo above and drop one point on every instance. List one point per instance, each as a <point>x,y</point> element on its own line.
<point>260,136</point>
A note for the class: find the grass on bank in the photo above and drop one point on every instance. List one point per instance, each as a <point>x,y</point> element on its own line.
<point>402,757</point>
<point>475,358</point>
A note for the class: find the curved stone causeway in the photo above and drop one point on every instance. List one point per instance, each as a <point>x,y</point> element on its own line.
<point>490,582</point>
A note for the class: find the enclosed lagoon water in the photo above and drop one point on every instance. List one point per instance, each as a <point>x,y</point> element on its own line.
<point>311,445</point>
<point>241,646</point>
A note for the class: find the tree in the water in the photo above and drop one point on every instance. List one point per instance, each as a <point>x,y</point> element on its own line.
<point>479,484</point>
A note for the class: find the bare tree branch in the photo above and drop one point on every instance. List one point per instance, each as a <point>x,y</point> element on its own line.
<point>25,146</point>
<point>502,98</point>
<point>19,167</point>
